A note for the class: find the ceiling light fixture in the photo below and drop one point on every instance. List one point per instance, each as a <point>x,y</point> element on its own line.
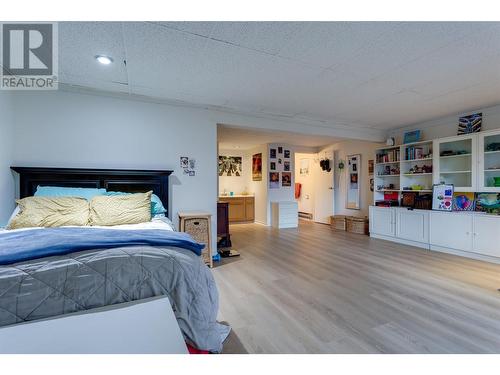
<point>104,60</point>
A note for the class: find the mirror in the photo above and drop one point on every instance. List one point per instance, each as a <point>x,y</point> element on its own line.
<point>353,181</point>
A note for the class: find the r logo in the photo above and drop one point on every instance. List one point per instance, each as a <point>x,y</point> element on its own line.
<point>27,49</point>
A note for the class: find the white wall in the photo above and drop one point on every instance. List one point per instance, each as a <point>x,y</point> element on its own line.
<point>237,184</point>
<point>7,192</point>
<point>340,151</point>
<point>62,129</point>
<point>283,194</point>
<point>447,126</point>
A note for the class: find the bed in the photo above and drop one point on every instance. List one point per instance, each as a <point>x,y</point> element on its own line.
<point>93,267</point>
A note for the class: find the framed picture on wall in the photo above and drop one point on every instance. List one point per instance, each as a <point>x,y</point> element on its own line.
<point>272,166</point>
<point>280,150</point>
<point>230,166</point>
<point>370,167</point>
<point>257,167</point>
<point>274,180</point>
<point>286,179</point>
<point>272,153</point>
<point>286,154</point>
<point>286,166</point>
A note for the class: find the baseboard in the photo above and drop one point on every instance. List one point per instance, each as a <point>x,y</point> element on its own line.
<point>465,254</point>
<point>422,245</point>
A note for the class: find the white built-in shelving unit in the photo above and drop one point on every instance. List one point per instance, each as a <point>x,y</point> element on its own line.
<point>405,168</point>
<point>471,163</point>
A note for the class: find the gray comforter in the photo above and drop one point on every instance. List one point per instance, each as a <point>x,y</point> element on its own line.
<point>83,280</point>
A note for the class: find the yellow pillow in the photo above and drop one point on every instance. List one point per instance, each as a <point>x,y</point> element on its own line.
<point>120,209</point>
<point>50,212</point>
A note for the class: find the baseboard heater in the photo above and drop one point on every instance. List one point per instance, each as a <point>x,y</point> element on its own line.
<point>305,215</point>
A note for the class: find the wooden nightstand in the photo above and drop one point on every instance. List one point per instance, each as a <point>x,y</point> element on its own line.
<point>197,224</point>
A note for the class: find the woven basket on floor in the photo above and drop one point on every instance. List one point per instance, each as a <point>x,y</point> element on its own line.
<point>357,224</point>
<point>338,222</point>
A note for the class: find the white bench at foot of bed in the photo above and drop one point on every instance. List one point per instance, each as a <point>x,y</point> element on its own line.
<point>143,327</point>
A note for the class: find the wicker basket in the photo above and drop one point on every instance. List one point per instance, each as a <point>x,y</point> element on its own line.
<point>357,225</point>
<point>338,222</point>
<point>197,228</point>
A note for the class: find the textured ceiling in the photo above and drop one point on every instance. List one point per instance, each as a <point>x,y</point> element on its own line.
<point>376,74</point>
<point>230,137</point>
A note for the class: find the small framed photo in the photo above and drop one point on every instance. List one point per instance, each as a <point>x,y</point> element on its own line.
<point>280,161</point>
<point>286,166</point>
<point>272,166</point>
<point>274,180</point>
<point>184,162</point>
<point>286,179</point>
<point>272,153</point>
<point>280,150</point>
<point>410,137</point>
<point>286,155</point>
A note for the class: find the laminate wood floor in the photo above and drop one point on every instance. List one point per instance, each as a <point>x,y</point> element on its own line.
<point>314,290</point>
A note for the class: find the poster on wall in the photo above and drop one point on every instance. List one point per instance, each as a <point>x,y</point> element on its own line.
<point>304,167</point>
<point>257,167</point>
<point>272,153</point>
<point>274,180</point>
<point>286,179</point>
<point>272,166</point>
<point>470,124</point>
<point>463,201</point>
<point>488,202</point>
<point>230,166</point>
<point>287,154</point>
<point>442,197</point>
<point>286,166</point>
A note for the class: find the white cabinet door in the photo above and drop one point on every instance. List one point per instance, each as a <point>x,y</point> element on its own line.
<point>451,229</point>
<point>382,221</point>
<point>412,225</point>
<point>455,162</point>
<point>489,161</point>
<point>487,235</point>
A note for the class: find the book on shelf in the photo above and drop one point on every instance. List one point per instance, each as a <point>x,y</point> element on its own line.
<point>388,156</point>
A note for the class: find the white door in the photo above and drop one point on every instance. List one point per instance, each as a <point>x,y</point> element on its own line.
<point>412,225</point>
<point>382,221</point>
<point>451,229</point>
<point>323,194</point>
<point>487,235</point>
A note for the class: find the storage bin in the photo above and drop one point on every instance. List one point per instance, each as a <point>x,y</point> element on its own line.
<point>338,222</point>
<point>357,224</point>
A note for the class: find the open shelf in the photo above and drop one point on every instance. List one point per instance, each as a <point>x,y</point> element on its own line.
<point>388,162</point>
<point>388,175</point>
<point>410,160</point>
<point>450,172</point>
<point>454,156</point>
<point>416,174</point>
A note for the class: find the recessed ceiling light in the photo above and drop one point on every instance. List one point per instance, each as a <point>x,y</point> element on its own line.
<point>105,60</point>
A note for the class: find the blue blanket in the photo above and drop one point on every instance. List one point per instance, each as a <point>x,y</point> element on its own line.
<point>37,243</point>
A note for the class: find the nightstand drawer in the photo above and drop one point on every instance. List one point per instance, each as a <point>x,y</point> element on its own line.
<point>197,225</point>
<point>198,229</point>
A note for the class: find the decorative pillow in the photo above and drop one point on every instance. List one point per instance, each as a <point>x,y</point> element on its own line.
<point>57,191</point>
<point>108,210</point>
<point>156,203</point>
<point>50,212</point>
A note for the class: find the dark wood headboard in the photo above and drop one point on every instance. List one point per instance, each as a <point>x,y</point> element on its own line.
<point>132,181</point>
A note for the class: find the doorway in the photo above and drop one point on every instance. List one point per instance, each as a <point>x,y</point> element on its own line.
<point>315,189</point>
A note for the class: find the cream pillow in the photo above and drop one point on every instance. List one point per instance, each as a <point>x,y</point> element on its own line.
<point>50,212</point>
<point>120,209</point>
